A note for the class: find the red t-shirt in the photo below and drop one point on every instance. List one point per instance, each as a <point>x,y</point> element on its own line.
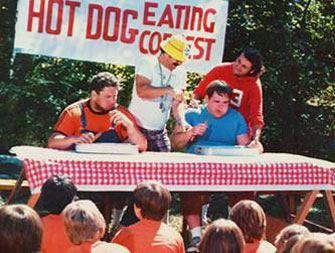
<point>54,238</point>
<point>247,95</point>
<point>150,236</point>
<point>69,122</point>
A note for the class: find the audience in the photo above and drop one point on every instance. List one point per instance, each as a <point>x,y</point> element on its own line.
<point>85,226</point>
<point>57,192</point>
<point>286,233</point>
<point>250,218</point>
<point>151,203</point>
<point>222,236</point>
<point>314,243</point>
<point>20,229</point>
<point>289,244</point>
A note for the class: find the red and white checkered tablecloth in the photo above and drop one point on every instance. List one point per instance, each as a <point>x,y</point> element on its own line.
<point>179,171</point>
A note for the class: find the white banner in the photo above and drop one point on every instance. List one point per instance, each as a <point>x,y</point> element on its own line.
<point>121,31</point>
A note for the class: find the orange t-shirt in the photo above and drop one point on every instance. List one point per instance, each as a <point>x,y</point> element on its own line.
<point>150,236</point>
<point>54,238</point>
<point>69,122</point>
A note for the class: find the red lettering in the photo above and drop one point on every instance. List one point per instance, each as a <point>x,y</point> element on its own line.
<point>147,13</point>
<point>196,11</point>
<point>209,48</point>
<point>179,9</point>
<point>91,9</point>
<point>38,14</point>
<point>209,28</point>
<point>198,46</point>
<point>166,18</point>
<point>154,48</point>
<point>73,6</point>
<point>59,5</point>
<point>132,32</point>
<point>117,18</point>
<point>141,44</point>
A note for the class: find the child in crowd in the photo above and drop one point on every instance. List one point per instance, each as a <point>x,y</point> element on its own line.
<point>57,192</point>
<point>222,236</point>
<point>286,233</point>
<point>85,226</point>
<point>20,229</point>
<point>150,235</point>
<point>314,243</point>
<point>250,218</point>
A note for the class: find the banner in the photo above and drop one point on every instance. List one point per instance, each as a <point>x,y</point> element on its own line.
<point>121,31</point>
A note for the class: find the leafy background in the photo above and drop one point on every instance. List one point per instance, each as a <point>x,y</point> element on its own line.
<point>296,39</point>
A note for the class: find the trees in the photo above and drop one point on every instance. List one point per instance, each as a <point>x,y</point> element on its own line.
<point>295,38</point>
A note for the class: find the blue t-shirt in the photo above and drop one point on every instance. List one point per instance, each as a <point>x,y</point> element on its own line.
<point>220,131</point>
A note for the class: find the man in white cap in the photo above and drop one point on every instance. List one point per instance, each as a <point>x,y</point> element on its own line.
<point>158,87</point>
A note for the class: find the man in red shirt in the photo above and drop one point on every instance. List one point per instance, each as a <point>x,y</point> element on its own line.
<point>242,76</point>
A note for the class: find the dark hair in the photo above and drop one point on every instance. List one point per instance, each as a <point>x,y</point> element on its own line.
<point>102,80</point>
<point>222,236</point>
<point>256,59</point>
<point>21,229</point>
<point>220,87</point>
<point>250,218</point>
<point>57,192</point>
<point>153,199</point>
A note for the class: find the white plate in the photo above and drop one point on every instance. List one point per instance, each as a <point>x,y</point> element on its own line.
<point>107,148</point>
<point>237,150</point>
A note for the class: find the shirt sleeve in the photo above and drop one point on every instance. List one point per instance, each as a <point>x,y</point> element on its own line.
<point>121,129</point>
<point>256,105</point>
<point>145,68</point>
<point>242,127</point>
<point>65,124</point>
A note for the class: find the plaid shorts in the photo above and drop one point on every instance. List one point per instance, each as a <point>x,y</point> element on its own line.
<point>158,140</point>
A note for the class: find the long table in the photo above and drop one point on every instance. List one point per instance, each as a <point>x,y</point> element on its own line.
<point>184,172</point>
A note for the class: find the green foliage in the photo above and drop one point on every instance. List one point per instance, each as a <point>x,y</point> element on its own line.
<point>296,39</point>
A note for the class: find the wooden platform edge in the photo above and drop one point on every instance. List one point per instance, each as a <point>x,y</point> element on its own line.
<point>9,184</point>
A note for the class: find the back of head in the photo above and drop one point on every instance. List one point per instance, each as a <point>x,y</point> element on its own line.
<point>57,192</point>
<point>220,87</point>
<point>153,199</point>
<point>20,229</point>
<point>250,218</point>
<point>176,47</point>
<point>222,236</point>
<point>83,222</point>
<point>287,232</point>
<point>102,80</point>
<point>256,60</point>
<point>314,243</point>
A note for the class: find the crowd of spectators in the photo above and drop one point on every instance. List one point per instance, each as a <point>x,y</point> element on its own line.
<point>73,226</point>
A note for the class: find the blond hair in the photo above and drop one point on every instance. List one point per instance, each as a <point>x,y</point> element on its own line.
<point>83,222</point>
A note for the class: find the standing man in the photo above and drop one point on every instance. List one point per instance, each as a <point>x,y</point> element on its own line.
<point>97,119</point>
<point>213,124</point>
<point>242,76</point>
<point>159,83</point>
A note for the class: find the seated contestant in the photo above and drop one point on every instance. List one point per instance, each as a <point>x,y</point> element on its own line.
<point>85,226</point>
<point>57,192</point>
<point>212,124</point>
<point>97,119</point>
<point>150,234</point>
<point>243,77</point>
<point>251,219</point>
<point>20,229</point>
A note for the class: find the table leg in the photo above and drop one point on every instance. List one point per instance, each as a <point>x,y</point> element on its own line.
<point>33,199</point>
<point>305,207</point>
<point>329,199</point>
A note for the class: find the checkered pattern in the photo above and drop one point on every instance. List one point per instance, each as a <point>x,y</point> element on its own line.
<point>185,174</point>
